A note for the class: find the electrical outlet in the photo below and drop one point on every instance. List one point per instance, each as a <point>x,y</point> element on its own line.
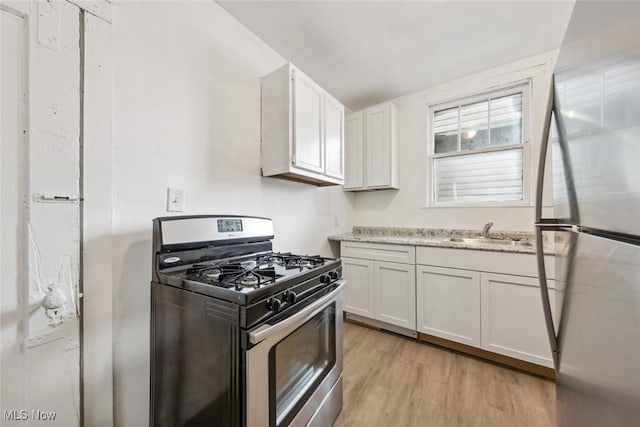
<point>175,200</point>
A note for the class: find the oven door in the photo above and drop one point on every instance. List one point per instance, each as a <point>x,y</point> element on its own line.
<point>294,370</point>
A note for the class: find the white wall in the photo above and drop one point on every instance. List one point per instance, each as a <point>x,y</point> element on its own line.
<point>97,266</point>
<point>187,115</point>
<point>13,388</point>
<point>39,243</point>
<point>405,207</point>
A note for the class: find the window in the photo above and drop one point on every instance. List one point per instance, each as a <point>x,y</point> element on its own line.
<point>604,100</point>
<point>600,101</point>
<point>479,150</point>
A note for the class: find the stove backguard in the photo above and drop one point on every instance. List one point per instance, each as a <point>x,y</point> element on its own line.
<point>183,240</point>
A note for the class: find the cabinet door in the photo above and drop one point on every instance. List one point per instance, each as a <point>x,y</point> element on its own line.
<point>307,124</point>
<point>358,293</point>
<point>354,152</point>
<point>512,318</point>
<point>378,146</point>
<point>448,304</point>
<point>395,293</point>
<point>333,137</point>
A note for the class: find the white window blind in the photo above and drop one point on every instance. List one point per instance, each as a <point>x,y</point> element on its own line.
<point>482,177</point>
<point>478,153</point>
<point>600,101</point>
<point>603,101</point>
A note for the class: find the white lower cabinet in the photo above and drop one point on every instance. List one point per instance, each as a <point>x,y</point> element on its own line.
<point>381,284</point>
<point>394,288</point>
<point>448,303</point>
<point>487,300</point>
<point>512,318</point>
<point>384,291</point>
<point>358,293</point>
<point>492,302</point>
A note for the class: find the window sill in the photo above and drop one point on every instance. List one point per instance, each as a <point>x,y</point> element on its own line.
<point>478,205</point>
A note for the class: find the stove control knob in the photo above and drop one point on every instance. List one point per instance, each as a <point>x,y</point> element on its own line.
<point>333,275</point>
<point>290,297</point>
<point>325,279</point>
<point>274,304</point>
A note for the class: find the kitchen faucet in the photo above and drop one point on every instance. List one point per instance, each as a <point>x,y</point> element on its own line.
<point>485,230</point>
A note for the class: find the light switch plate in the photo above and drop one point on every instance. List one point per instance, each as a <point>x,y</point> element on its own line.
<point>175,200</point>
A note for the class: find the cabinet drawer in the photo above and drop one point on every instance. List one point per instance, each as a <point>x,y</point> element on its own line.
<point>379,252</point>
<point>496,262</point>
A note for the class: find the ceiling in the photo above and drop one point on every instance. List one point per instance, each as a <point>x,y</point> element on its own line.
<point>367,52</point>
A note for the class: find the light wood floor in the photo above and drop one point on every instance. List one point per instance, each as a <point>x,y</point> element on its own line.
<point>390,380</point>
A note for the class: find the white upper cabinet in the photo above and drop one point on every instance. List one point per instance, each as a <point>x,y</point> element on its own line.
<point>371,161</point>
<point>380,146</point>
<point>307,127</point>
<point>302,129</point>
<point>334,137</point>
<point>354,152</point>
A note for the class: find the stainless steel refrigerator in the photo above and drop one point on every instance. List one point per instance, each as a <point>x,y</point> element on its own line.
<point>593,144</point>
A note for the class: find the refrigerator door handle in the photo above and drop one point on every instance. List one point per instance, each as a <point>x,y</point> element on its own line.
<point>544,147</point>
<point>552,224</point>
<point>553,106</point>
<point>546,302</point>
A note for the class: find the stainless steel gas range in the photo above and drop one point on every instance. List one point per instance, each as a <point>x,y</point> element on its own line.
<point>241,335</point>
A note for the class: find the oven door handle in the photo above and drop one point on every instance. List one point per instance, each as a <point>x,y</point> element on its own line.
<point>265,331</point>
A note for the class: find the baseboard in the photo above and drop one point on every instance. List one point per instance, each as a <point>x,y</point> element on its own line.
<point>376,324</point>
<point>521,365</point>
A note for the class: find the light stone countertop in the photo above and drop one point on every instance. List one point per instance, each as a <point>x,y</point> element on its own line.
<point>439,238</point>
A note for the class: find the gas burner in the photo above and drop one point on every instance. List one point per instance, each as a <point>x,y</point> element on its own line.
<point>248,280</point>
<point>214,273</point>
<point>303,261</point>
<point>253,271</point>
<point>273,258</point>
<point>289,261</point>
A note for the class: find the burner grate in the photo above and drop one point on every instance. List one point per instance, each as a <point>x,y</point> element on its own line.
<point>218,272</point>
<point>253,278</point>
<point>289,261</point>
<point>243,274</point>
<point>237,275</point>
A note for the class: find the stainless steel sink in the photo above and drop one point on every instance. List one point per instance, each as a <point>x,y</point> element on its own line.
<point>490,241</point>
